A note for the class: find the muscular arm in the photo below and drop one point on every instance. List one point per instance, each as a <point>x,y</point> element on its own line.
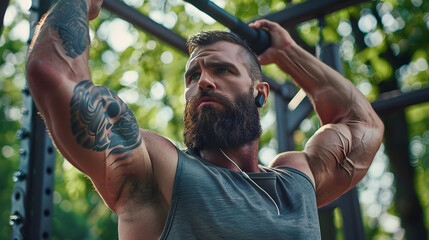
<point>91,126</point>
<point>341,151</point>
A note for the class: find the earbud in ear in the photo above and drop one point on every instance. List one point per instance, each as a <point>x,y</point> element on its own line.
<point>259,100</point>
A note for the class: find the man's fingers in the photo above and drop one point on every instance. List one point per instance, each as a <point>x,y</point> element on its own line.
<point>266,57</point>
<point>263,24</point>
<point>258,24</point>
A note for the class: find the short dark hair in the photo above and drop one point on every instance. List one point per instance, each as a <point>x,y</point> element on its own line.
<point>206,38</point>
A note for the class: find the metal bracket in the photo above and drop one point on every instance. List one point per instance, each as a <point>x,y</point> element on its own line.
<point>31,213</point>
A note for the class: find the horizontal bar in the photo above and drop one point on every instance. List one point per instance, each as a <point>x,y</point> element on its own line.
<point>220,15</point>
<point>257,39</point>
<point>389,102</point>
<point>396,100</point>
<point>296,14</point>
<point>143,22</point>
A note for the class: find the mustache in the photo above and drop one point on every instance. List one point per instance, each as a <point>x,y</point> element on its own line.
<point>220,98</point>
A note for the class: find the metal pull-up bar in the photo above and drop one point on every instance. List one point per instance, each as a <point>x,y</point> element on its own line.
<point>138,19</point>
<point>257,39</point>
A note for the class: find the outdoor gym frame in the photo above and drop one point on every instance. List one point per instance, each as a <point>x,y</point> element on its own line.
<point>31,213</point>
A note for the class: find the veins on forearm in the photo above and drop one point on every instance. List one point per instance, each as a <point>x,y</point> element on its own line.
<point>101,121</point>
<point>70,20</point>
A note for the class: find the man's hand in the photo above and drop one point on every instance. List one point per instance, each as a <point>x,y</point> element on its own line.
<point>280,39</point>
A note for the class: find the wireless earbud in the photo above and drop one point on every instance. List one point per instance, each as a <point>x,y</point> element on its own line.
<point>259,100</point>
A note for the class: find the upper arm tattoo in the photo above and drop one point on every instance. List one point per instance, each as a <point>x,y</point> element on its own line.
<point>101,121</point>
<point>70,20</point>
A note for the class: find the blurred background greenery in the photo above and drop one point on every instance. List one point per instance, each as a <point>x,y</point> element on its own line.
<point>384,45</point>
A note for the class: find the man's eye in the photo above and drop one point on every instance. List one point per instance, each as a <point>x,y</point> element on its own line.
<point>222,70</point>
<point>195,76</point>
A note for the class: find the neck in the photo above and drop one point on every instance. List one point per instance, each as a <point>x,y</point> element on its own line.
<point>246,157</point>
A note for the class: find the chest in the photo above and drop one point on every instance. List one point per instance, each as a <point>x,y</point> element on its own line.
<point>213,204</point>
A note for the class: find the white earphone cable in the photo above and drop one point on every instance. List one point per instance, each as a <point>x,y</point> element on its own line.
<point>251,180</point>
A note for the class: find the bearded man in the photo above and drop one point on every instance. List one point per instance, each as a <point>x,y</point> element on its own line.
<point>215,189</point>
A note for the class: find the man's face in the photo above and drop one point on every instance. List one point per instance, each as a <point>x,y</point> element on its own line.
<point>220,109</point>
<point>220,67</point>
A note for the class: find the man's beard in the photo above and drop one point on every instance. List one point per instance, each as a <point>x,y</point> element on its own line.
<point>236,125</point>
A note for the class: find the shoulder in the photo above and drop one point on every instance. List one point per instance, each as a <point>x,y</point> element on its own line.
<point>295,160</point>
<point>154,142</point>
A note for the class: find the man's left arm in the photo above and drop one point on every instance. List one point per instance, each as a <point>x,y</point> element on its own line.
<point>341,151</point>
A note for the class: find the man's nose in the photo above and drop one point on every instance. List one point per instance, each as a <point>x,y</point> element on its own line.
<point>206,81</point>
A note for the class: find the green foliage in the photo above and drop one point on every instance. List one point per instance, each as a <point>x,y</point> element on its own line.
<point>148,75</point>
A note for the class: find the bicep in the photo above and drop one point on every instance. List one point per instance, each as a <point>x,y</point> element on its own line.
<point>85,117</point>
<point>101,121</point>
<point>339,155</point>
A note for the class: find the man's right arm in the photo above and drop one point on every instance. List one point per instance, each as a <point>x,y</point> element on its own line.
<point>91,126</point>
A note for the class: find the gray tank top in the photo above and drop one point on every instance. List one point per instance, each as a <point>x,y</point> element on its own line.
<point>210,202</point>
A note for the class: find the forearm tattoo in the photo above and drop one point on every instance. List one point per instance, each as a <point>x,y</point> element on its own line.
<point>70,20</point>
<point>101,121</point>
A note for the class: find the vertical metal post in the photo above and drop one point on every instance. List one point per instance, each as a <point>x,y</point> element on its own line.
<point>283,114</point>
<point>31,214</point>
<point>288,120</point>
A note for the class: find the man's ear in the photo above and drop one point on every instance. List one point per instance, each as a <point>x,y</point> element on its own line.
<point>262,89</point>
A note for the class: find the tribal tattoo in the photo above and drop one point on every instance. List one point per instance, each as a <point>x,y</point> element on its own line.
<point>70,20</point>
<point>101,121</point>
